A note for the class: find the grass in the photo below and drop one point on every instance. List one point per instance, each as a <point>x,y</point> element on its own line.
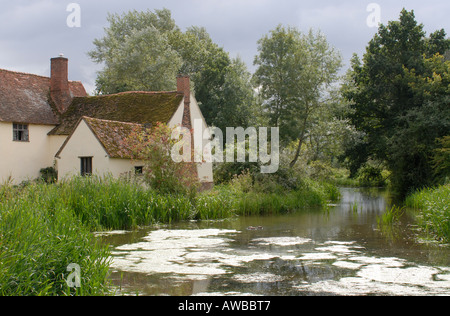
<point>388,223</point>
<point>39,238</point>
<point>253,201</point>
<point>433,205</point>
<point>354,206</point>
<point>391,216</point>
<point>46,227</point>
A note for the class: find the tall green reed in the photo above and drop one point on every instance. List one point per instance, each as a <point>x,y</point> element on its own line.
<point>46,227</point>
<point>39,238</point>
<point>433,205</point>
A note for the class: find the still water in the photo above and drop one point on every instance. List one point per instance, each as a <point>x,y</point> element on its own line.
<point>338,251</point>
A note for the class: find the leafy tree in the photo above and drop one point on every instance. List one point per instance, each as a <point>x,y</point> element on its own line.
<point>328,129</point>
<point>146,50</point>
<point>138,66</point>
<point>399,101</point>
<point>137,53</point>
<point>237,92</point>
<point>441,158</point>
<point>294,71</point>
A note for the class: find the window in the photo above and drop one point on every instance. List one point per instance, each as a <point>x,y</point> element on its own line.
<point>20,132</point>
<point>138,170</point>
<point>86,166</point>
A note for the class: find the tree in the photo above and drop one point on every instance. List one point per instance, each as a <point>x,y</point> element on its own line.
<point>293,74</point>
<point>399,101</point>
<point>137,53</point>
<point>238,106</point>
<point>328,130</point>
<point>441,158</point>
<point>146,50</point>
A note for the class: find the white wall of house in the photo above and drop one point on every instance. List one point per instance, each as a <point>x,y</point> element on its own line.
<point>22,160</point>
<point>83,143</point>
<point>177,118</point>
<point>205,171</point>
<point>55,143</point>
<point>123,167</point>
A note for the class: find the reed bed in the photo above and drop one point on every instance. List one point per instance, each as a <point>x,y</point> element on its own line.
<point>434,211</point>
<point>391,216</point>
<point>39,238</point>
<point>46,227</point>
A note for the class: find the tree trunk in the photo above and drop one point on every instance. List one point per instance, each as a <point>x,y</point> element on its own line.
<point>301,138</point>
<point>299,148</point>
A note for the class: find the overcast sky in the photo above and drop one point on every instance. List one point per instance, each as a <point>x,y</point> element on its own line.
<point>33,31</point>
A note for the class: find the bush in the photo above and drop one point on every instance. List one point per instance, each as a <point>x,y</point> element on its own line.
<point>49,175</point>
<point>370,176</point>
<point>320,170</point>
<point>441,159</point>
<point>154,146</point>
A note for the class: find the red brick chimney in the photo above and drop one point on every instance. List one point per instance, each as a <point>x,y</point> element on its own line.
<point>59,83</point>
<point>184,86</point>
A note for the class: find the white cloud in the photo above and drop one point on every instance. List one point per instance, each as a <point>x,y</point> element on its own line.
<point>31,32</point>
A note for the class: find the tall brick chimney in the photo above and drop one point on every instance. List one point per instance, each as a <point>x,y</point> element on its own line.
<point>184,86</point>
<point>59,83</point>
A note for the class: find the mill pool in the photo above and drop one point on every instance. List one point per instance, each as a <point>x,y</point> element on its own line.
<point>337,251</point>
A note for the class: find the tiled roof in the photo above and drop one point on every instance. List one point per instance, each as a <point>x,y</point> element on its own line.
<point>129,107</point>
<point>110,134</point>
<point>24,98</point>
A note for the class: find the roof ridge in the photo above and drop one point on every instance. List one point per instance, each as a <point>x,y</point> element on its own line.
<point>108,121</point>
<point>23,73</point>
<point>144,92</point>
<point>30,74</point>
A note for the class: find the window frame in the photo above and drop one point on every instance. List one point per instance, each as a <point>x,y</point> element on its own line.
<point>138,170</point>
<point>21,132</point>
<point>86,166</point>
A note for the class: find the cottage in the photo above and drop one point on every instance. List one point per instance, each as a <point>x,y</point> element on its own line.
<point>53,122</point>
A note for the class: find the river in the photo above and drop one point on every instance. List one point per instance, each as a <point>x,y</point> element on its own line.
<point>338,251</point>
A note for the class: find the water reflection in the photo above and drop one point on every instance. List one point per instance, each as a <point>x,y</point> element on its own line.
<point>340,252</point>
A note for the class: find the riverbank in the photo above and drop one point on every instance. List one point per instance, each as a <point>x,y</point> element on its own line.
<point>434,211</point>
<point>44,228</point>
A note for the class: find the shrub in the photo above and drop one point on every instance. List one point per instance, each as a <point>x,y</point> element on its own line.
<point>49,175</point>
<point>154,146</point>
<point>371,176</point>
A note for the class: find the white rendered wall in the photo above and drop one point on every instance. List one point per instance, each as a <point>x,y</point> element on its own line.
<point>83,143</point>
<point>21,161</point>
<point>205,172</point>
